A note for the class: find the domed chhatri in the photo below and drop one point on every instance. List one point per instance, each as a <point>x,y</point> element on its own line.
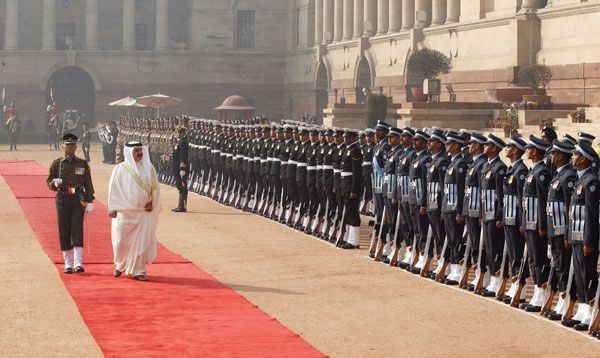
<point>236,104</point>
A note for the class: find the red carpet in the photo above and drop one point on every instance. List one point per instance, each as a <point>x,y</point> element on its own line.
<point>182,312</point>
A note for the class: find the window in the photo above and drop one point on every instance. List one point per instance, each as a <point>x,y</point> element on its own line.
<point>140,37</point>
<point>245,29</point>
<point>65,36</point>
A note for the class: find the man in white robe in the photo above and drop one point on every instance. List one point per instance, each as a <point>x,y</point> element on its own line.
<point>134,206</point>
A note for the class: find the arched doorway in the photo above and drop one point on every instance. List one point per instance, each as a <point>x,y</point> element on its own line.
<point>363,79</point>
<point>321,87</point>
<point>73,90</point>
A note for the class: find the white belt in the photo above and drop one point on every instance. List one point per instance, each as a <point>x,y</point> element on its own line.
<point>228,155</point>
<point>292,162</point>
<point>275,159</point>
<point>269,159</point>
<point>238,156</point>
<point>367,164</point>
<point>300,165</point>
<point>202,146</point>
<point>326,167</point>
<point>263,160</point>
<point>311,168</point>
<point>337,171</point>
<point>224,154</point>
<point>319,167</point>
<point>347,174</point>
<point>258,159</point>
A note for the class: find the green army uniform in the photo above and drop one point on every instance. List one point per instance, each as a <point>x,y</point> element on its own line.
<point>72,197</point>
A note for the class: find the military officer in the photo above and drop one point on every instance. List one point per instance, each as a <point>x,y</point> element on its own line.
<point>180,165</point>
<point>351,187</point>
<point>391,196</point>
<point>418,198</point>
<point>583,233</point>
<point>472,207</point>
<point>492,190</point>
<point>534,223</point>
<point>71,179</point>
<point>403,165</point>
<point>381,150</point>
<point>452,205</point>
<point>511,217</point>
<point>435,173</point>
<point>85,141</point>
<point>559,200</point>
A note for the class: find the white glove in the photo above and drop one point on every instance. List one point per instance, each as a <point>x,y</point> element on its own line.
<point>89,207</point>
<point>549,253</point>
<point>182,173</point>
<point>57,182</point>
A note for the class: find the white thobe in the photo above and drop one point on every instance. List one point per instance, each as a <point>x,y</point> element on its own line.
<point>134,229</point>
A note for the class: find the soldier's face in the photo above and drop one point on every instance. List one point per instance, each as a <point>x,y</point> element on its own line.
<point>70,148</point>
<point>394,140</point>
<point>304,137</point>
<point>578,160</point>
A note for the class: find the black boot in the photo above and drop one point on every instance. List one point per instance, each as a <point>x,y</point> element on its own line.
<point>182,204</point>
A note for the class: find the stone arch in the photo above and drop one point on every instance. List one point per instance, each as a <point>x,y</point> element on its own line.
<point>363,77</point>
<point>322,84</point>
<point>51,70</point>
<point>73,88</point>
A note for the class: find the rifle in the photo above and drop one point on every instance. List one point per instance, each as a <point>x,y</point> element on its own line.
<point>547,287</point>
<point>191,181</point>
<point>425,259</point>
<point>247,197</point>
<point>373,244</point>
<point>225,191</point>
<point>516,300</point>
<point>595,320</point>
<point>479,276</point>
<point>501,275</point>
<point>440,270</point>
<point>331,231</point>
<point>258,203</point>
<point>394,259</point>
<point>236,199</point>
<point>380,243</point>
<point>313,223</point>
<point>342,230</point>
<point>567,302</point>
<point>281,210</point>
<point>325,219</point>
<point>465,268</point>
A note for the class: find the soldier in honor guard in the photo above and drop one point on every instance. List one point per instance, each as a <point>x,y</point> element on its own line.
<point>312,157</point>
<point>583,234</point>
<point>559,200</point>
<point>472,207</point>
<point>549,135</point>
<point>368,148</point>
<point>351,188</point>
<point>302,153</point>
<point>452,205</point>
<point>492,192</point>
<point>338,151</point>
<point>511,217</point>
<point>391,196</point>
<point>71,179</point>
<point>379,156</point>
<point>275,168</point>
<point>435,173</point>
<point>327,151</point>
<point>535,196</point>
<point>85,141</point>
<point>418,195</point>
<point>589,139</point>
<point>180,162</point>
<point>403,164</point>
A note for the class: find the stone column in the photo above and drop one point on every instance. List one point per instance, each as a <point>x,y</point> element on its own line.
<point>348,19</point>
<point>371,17</point>
<point>395,16</point>
<point>318,22</point>
<point>91,24</point>
<point>424,5</point>
<point>408,14</point>
<point>338,20</point>
<point>453,13</point>
<point>49,25</point>
<point>11,40</point>
<point>128,24</point>
<point>162,24</point>
<point>359,18</point>
<point>383,16</point>
<point>438,12</point>
<point>327,20</point>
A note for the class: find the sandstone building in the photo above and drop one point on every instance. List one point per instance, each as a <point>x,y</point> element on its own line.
<point>287,57</point>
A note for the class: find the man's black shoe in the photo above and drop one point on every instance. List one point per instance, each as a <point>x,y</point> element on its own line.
<point>68,270</point>
<point>79,269</point>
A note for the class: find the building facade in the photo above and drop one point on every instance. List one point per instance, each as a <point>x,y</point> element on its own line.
<point>287,57</point>
<point>343,46</point>
<point>88,53</point>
